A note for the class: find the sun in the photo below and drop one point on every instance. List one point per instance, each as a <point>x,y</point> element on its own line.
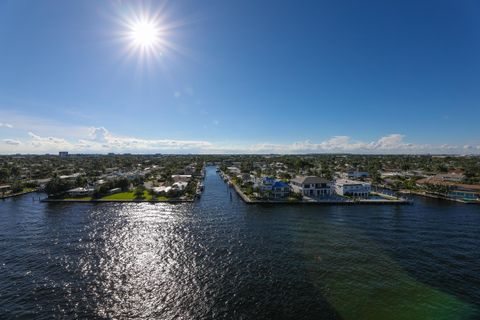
<point>145,34</point>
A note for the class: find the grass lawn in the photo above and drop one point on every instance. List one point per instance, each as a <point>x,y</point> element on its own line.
<point>130,195</point>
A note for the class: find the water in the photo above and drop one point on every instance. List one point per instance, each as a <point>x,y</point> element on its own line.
<point>220,258</point>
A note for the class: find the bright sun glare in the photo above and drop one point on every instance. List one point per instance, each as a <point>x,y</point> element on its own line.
<point>145,34</point>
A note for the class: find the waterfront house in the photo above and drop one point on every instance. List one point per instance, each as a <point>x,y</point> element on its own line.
<point>80,192</point>
<point>280,190</point>
<point>180,185</point>
<point>5,189</point>
<point>162,189</point>
<point>345,187</point>
<point>450,176</point>
<point>466,192</point>
<point>266,184</point>
<point>311,186</point>
<point>272,188</point>
<point>448,189</point>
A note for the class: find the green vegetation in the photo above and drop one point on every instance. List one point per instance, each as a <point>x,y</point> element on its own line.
<point>137,173</point>
<point>128,196</point>
<point>145,195</point>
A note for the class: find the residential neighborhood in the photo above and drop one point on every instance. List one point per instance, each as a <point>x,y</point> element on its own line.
<point>289,178</point>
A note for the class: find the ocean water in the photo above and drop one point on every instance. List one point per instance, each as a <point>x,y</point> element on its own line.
<point>219,258</point>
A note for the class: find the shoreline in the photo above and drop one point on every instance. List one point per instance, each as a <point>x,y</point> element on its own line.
<point>247,200</point>
<point>114,200</point>
<point>18,194</point>
<point>435,196</point>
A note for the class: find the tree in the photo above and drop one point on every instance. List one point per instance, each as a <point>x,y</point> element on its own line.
<point>15,172</point>
<point>4,175</point>
<point>123,184</point>
<point>139,193</point>
<point>57,186</point>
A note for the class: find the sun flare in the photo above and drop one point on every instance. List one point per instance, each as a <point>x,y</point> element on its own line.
<point>145,34</point>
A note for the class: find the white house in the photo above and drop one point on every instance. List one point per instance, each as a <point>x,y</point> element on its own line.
<point>180,185</point>
<point>311,186</point>
<point>161,189</point>
<point>80,192</point>
<point>345,187</point>
<point>181,177</point>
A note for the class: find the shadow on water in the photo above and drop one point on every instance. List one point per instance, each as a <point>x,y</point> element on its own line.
<point>361,281</point>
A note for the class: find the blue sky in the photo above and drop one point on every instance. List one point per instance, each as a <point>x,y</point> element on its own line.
<point>241,76</point>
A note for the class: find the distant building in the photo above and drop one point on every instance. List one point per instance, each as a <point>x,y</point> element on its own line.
<point>357,174</point>
<point>345,187</point>
<point>311,186</point>
<point>451,176</point>
<point>234,170</point>
<point>70,176</point>
<point>181,177</point>
<point>63,154</point>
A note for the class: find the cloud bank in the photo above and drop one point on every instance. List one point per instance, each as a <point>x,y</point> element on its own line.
<point>100,140</point>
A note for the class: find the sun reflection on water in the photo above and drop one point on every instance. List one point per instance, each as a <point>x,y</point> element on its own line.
<point>143,264</point>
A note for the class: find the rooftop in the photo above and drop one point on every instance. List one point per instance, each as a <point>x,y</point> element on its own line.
<point>309,180</point>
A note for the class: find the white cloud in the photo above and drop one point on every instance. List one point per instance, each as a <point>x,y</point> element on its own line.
<point>393,143</point>
<point>6,125</point>
<point>98,134</point>
<point>100,140</point>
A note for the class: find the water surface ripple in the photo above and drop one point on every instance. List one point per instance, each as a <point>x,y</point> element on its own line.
<point>219,258</point>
